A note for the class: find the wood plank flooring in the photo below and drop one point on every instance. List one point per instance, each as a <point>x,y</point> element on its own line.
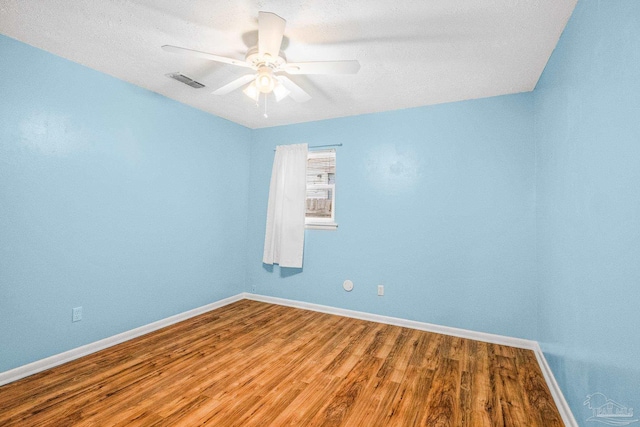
<point>257,364</point>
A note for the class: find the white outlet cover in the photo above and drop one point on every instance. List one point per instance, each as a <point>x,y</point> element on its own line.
<point>348,285</point>
<point>76,314</point>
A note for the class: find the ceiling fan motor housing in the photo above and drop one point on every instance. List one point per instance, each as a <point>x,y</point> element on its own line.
<point>254,58</point>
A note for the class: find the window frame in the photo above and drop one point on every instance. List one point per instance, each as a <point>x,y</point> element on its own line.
<point>316,223</point>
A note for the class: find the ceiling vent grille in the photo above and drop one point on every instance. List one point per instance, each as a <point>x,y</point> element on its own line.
<point>186,80</point>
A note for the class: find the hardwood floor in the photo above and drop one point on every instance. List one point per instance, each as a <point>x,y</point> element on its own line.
<point>257,364</point>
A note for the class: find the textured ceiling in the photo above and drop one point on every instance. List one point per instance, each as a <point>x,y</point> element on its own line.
<point>412,53</point>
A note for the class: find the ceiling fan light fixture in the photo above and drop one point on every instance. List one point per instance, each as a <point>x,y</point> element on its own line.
<point>252,91</point>
<point>265,81</point>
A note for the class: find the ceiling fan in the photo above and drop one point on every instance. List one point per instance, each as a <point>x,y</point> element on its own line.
<point>269,64</point>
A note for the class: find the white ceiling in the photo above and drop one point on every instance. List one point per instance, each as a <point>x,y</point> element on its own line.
<point>412,52</point>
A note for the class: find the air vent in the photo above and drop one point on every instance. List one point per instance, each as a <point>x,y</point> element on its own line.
<point>186,80</point>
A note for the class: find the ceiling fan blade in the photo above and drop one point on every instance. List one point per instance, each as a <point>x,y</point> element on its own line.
<point>204,55</point>
<point>323,67</point>
<point>229,87</point>
<point>270,33</point>
<point>296,92</point>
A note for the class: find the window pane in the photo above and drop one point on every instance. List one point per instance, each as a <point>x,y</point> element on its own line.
<point>319,203</point>
<point>321,178</point>
<point>321,170</point>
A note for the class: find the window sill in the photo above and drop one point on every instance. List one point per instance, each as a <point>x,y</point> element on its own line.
<point>322,226</point>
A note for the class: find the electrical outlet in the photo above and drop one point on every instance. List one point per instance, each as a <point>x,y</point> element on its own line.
<point>76,314</point>
<point>380,290</point>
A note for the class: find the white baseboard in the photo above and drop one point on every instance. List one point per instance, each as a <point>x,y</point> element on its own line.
<point>78,352</point>
<point>558,397</point>
<point>396,321</point>
<point>556,393</point>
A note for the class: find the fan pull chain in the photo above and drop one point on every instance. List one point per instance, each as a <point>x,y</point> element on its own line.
<point>265,105</point>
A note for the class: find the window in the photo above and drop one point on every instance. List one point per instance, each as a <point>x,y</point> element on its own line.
<point>321,190</point>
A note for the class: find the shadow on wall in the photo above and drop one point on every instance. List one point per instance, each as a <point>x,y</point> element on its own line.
<point>284,271</point>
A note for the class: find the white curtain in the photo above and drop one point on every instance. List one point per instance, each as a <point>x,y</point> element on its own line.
<point>284,238</point>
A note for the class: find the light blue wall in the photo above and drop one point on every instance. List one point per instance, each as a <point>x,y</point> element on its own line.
<point>588,217</point>
<point>514,215</point>
<point>112,198</point>
<point>435,203</point>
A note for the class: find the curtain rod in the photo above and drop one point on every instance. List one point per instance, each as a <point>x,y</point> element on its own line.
<point>322,146</point>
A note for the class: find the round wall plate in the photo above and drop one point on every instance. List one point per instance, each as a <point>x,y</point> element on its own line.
<point>347,285</point>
